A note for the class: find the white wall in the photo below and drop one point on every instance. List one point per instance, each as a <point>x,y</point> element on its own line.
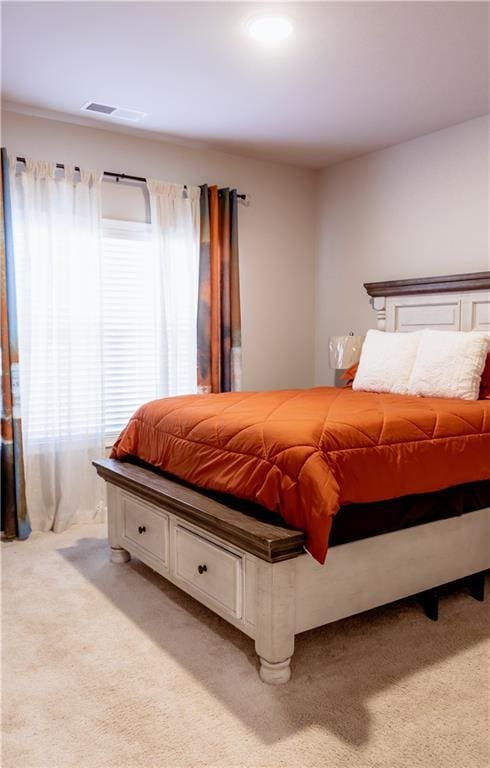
<point>416,209</point>
<point>277,230</point>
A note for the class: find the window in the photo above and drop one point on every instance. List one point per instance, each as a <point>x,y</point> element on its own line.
<point>101,331</point>
<point>134,362</point>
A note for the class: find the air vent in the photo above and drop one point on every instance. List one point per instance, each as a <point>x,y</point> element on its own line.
<point>133,115</point>
<point>92,106</point>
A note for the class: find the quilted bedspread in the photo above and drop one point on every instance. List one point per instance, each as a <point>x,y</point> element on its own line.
<point>304,453</point>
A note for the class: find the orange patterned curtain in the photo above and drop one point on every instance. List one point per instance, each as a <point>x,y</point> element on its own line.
<point>218,315</point>
<point>15,522</point>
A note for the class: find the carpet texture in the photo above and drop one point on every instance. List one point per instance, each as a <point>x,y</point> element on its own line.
<point>109,666</point>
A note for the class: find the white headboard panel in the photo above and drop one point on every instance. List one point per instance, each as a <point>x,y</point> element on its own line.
<point>448,303</point>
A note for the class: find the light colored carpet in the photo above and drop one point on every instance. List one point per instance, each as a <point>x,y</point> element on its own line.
<point>109,666</point>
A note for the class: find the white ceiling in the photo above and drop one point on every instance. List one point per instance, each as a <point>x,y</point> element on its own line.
<point>354,77</point>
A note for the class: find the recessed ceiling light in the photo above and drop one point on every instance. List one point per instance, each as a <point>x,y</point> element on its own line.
<point>270,29</point>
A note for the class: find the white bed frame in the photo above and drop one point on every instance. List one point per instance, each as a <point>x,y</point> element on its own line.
<point>274,591</point>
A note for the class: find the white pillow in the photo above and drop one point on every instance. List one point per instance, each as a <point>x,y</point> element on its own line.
<point>449,364</point>
<point>386,362</point>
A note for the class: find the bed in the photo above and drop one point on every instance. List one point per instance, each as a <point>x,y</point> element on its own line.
<point>272,577</point>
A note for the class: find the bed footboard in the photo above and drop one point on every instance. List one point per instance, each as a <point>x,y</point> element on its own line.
<point>258,577</point>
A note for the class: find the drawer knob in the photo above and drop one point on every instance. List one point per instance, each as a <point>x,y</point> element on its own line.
<point>202,568</point>
<point>141,529</point>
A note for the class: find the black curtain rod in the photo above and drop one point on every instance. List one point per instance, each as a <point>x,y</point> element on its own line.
<point>117,175</point>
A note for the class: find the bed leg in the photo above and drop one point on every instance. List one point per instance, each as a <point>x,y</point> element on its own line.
<point>114,525</point>
<point>275,674</point>
<point>430,603</point>
<point>119,555</point>
<point>476,585</point>
<point>274,639</point>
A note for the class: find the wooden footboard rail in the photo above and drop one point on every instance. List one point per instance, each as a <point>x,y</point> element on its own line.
<point>271,543</point>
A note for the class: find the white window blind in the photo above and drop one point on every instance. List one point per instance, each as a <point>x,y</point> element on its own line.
<point>133,367</point>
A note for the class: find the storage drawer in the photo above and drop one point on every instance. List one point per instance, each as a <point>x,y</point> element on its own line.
<point>145,526</point>
<point>212,570</point>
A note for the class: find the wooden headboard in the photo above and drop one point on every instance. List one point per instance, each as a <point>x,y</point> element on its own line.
<point>450,302</point>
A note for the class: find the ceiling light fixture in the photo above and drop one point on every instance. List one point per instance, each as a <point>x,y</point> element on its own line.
<point>270,29</point>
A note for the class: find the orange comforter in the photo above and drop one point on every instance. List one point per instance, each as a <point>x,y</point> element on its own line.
<point>304,453</point>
